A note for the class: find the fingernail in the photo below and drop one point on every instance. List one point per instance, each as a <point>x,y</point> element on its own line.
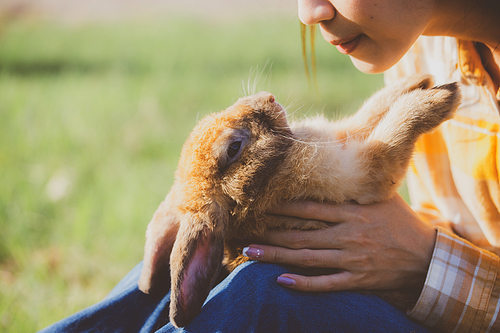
<point>286,281</point>
<point>252,252</point>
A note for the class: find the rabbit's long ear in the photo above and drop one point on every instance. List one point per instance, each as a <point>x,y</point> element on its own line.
<point>390,146</point>
<point>160,237</point>
<point>195,264</point>
<point>376,107</point>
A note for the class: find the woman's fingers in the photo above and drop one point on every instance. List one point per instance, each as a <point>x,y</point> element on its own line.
<point>328,238</point>
<point>309,210</point>
<point>321,283</point>
<point>301,258</point>
<point>310,259</point>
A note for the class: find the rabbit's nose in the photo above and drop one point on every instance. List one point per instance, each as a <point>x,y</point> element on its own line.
<point>266,97</point>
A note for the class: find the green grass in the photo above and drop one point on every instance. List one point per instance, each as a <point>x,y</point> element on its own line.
<point>92,119</point>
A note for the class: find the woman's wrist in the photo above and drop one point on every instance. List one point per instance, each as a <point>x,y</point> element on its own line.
<point>428,243</point>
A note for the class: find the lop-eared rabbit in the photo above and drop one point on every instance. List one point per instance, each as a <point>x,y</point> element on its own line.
<point>238,163</point>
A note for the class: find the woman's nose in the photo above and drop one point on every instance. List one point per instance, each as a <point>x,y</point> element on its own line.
<point>315,11</point>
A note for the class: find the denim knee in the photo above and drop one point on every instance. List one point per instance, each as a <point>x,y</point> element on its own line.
<point>250,300</point>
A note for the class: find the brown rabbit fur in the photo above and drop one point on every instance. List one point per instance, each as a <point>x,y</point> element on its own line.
<point>238,163</point>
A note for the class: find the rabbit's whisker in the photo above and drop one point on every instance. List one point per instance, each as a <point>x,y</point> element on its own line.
<point>334,143</point>
<point>289,114</point>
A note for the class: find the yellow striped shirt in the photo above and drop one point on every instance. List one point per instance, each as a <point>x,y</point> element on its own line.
<point>454,184</point>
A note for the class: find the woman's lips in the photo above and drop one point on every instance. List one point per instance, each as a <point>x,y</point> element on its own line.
<point>347,46</point>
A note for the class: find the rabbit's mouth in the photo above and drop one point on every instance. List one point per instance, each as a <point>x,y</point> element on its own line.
<point>279,123</point>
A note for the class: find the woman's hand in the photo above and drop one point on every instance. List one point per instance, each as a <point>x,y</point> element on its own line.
<point>377,246</point>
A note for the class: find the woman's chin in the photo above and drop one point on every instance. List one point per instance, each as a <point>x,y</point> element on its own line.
<point>371,67</point>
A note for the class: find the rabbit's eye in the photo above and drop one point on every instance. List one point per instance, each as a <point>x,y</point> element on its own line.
<point>233,149</point>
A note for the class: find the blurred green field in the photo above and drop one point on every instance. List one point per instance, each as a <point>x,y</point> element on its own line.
<point>92,119</point>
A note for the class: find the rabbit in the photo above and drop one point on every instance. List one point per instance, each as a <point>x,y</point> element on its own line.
<point>238,163</point>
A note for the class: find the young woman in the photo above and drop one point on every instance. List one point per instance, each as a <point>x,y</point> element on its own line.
<point>446,244</point>
<point>453,184</point>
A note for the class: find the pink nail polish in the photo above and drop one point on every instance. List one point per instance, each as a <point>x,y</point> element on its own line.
<point>286,281</point>
<point>253,253</point>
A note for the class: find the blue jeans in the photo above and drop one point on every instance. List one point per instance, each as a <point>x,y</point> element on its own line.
<point>248,300</point>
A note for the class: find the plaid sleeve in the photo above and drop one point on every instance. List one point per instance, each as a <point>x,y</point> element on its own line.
<point>461,292</point>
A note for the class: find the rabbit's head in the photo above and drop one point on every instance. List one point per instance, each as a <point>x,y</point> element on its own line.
<point>225,162</point>
<point>230,155</point>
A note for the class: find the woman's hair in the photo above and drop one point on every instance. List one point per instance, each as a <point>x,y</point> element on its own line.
<point>312,79</point>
